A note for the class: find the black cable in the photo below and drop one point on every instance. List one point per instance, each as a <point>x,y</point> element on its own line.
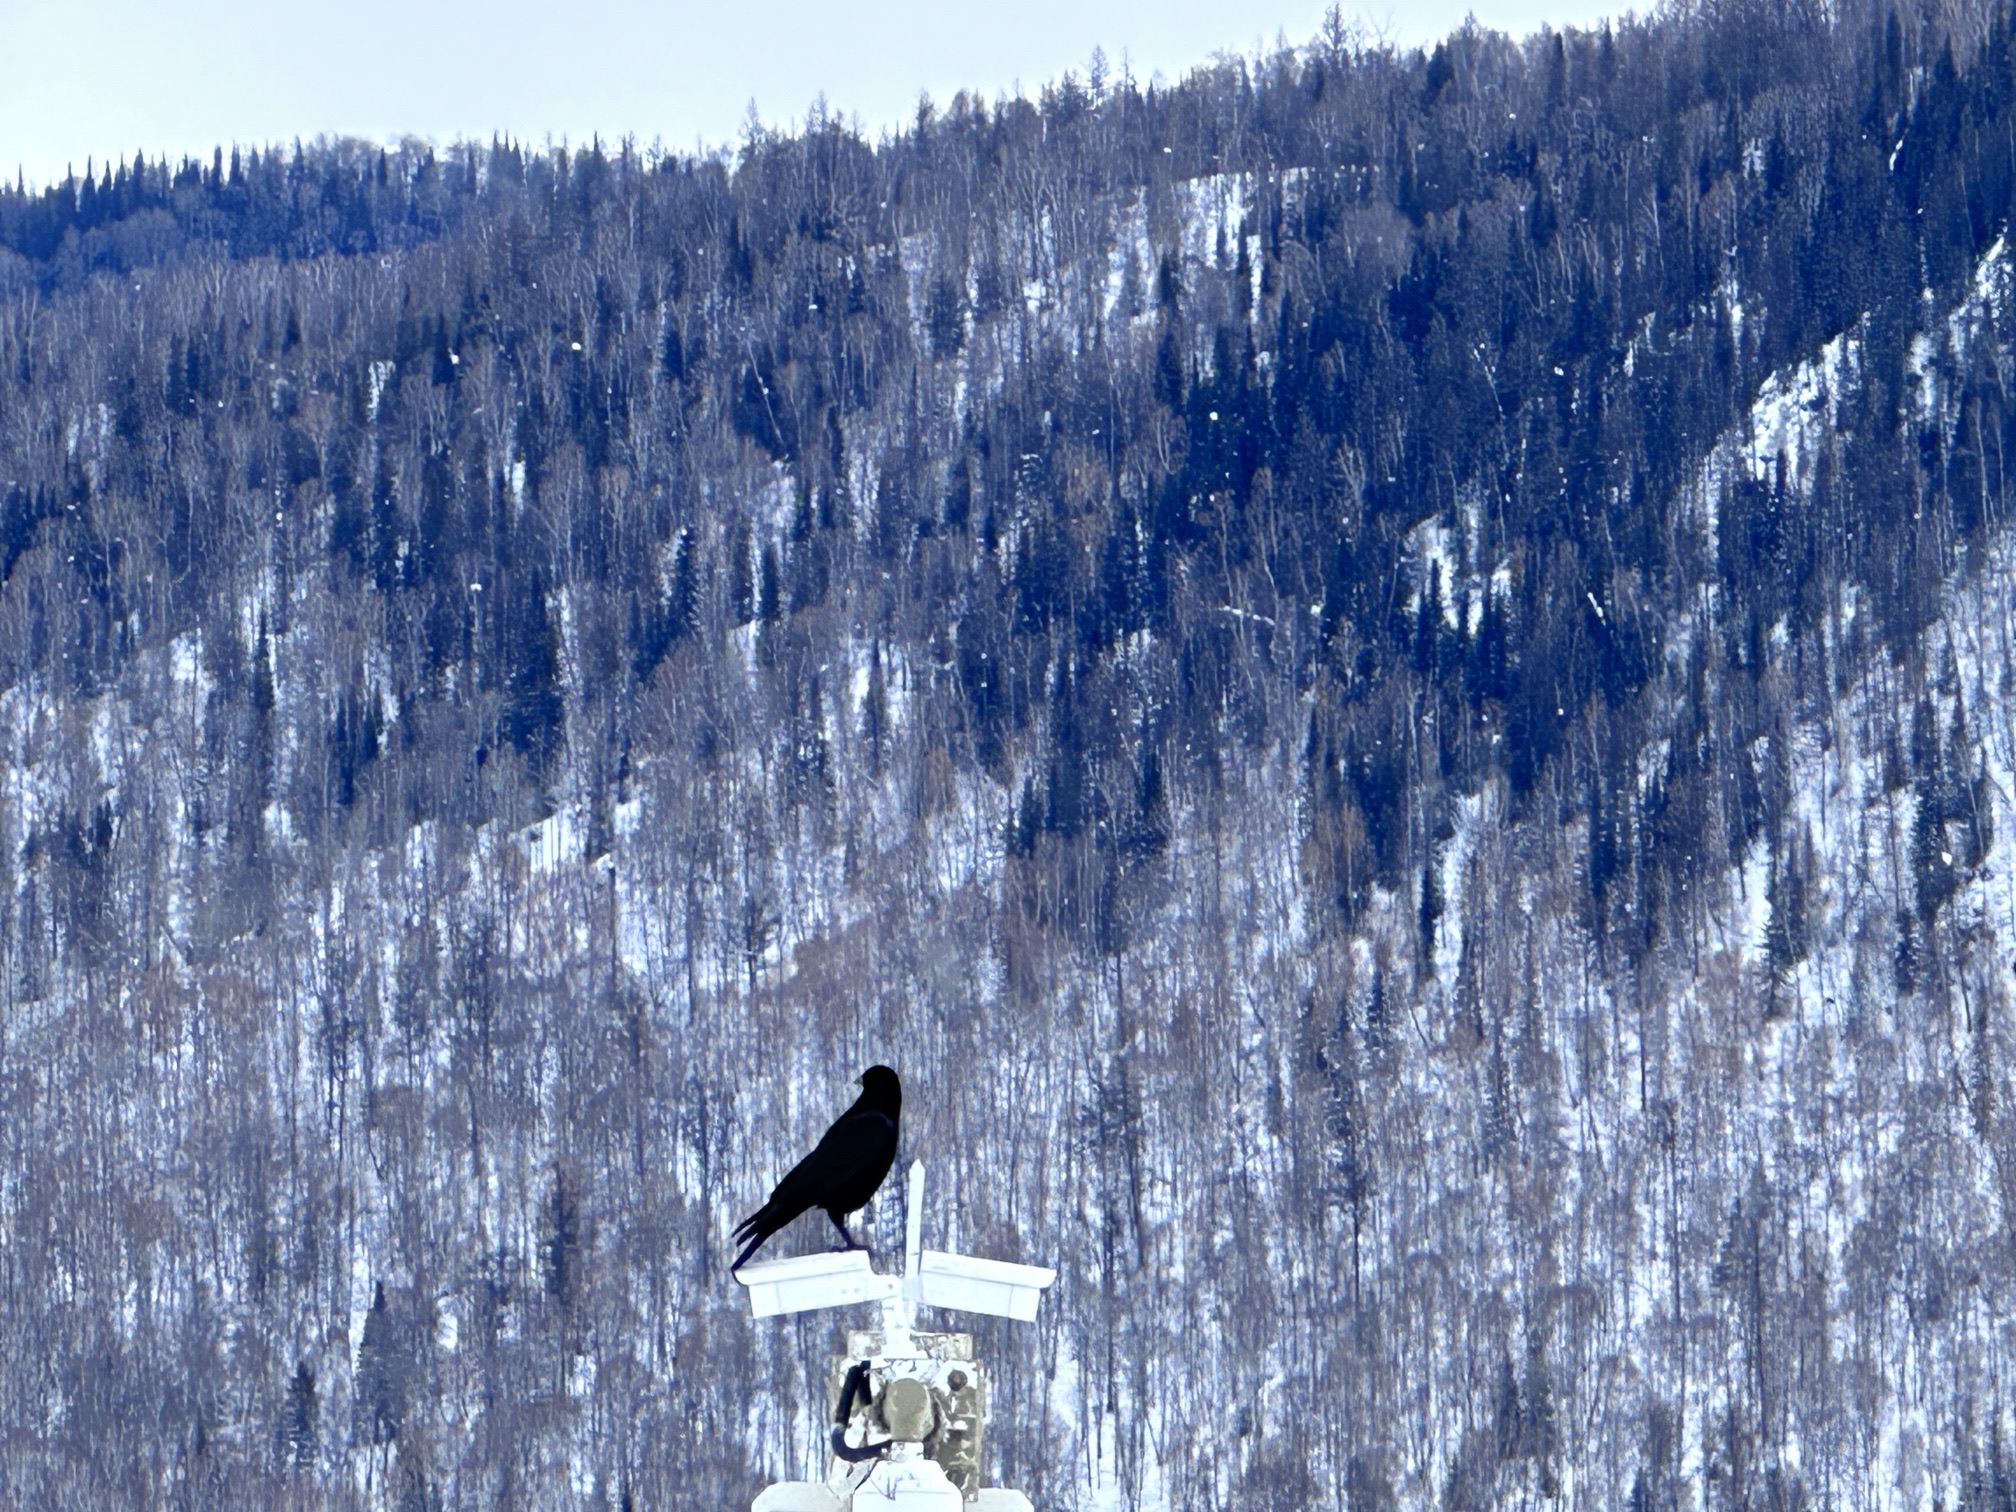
<point>856,1385</point>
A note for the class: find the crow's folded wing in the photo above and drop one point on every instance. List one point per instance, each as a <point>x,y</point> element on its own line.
<point>860,1141</point>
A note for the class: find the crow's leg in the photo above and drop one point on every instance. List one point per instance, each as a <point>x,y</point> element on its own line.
<point>847,1241</point>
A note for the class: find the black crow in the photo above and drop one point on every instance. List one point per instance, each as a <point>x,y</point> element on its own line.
<point>842,1173</point>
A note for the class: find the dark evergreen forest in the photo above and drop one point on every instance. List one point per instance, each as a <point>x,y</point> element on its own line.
<point>1385,675</point>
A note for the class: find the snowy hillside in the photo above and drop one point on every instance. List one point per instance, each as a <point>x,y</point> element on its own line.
<point>1386,677</point>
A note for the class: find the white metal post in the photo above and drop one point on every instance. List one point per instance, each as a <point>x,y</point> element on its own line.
<point>899,1312</point>
<point>904,1477</point>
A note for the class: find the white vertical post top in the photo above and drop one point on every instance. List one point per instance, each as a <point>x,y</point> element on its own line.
<point>913,1233</point>
<point>899,1311</point>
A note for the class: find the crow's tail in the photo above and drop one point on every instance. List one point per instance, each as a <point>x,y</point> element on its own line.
<point>756,1229</point>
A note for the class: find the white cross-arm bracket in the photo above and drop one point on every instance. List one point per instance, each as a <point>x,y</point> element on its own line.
<point>933,1278</point>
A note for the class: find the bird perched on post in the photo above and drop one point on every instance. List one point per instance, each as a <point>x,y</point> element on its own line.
<point>843,1170</point>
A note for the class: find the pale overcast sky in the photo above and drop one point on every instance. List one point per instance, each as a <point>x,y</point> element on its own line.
<point>88,78</point>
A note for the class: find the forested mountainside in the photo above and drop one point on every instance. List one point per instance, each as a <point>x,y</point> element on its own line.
<point>1386,676</point>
